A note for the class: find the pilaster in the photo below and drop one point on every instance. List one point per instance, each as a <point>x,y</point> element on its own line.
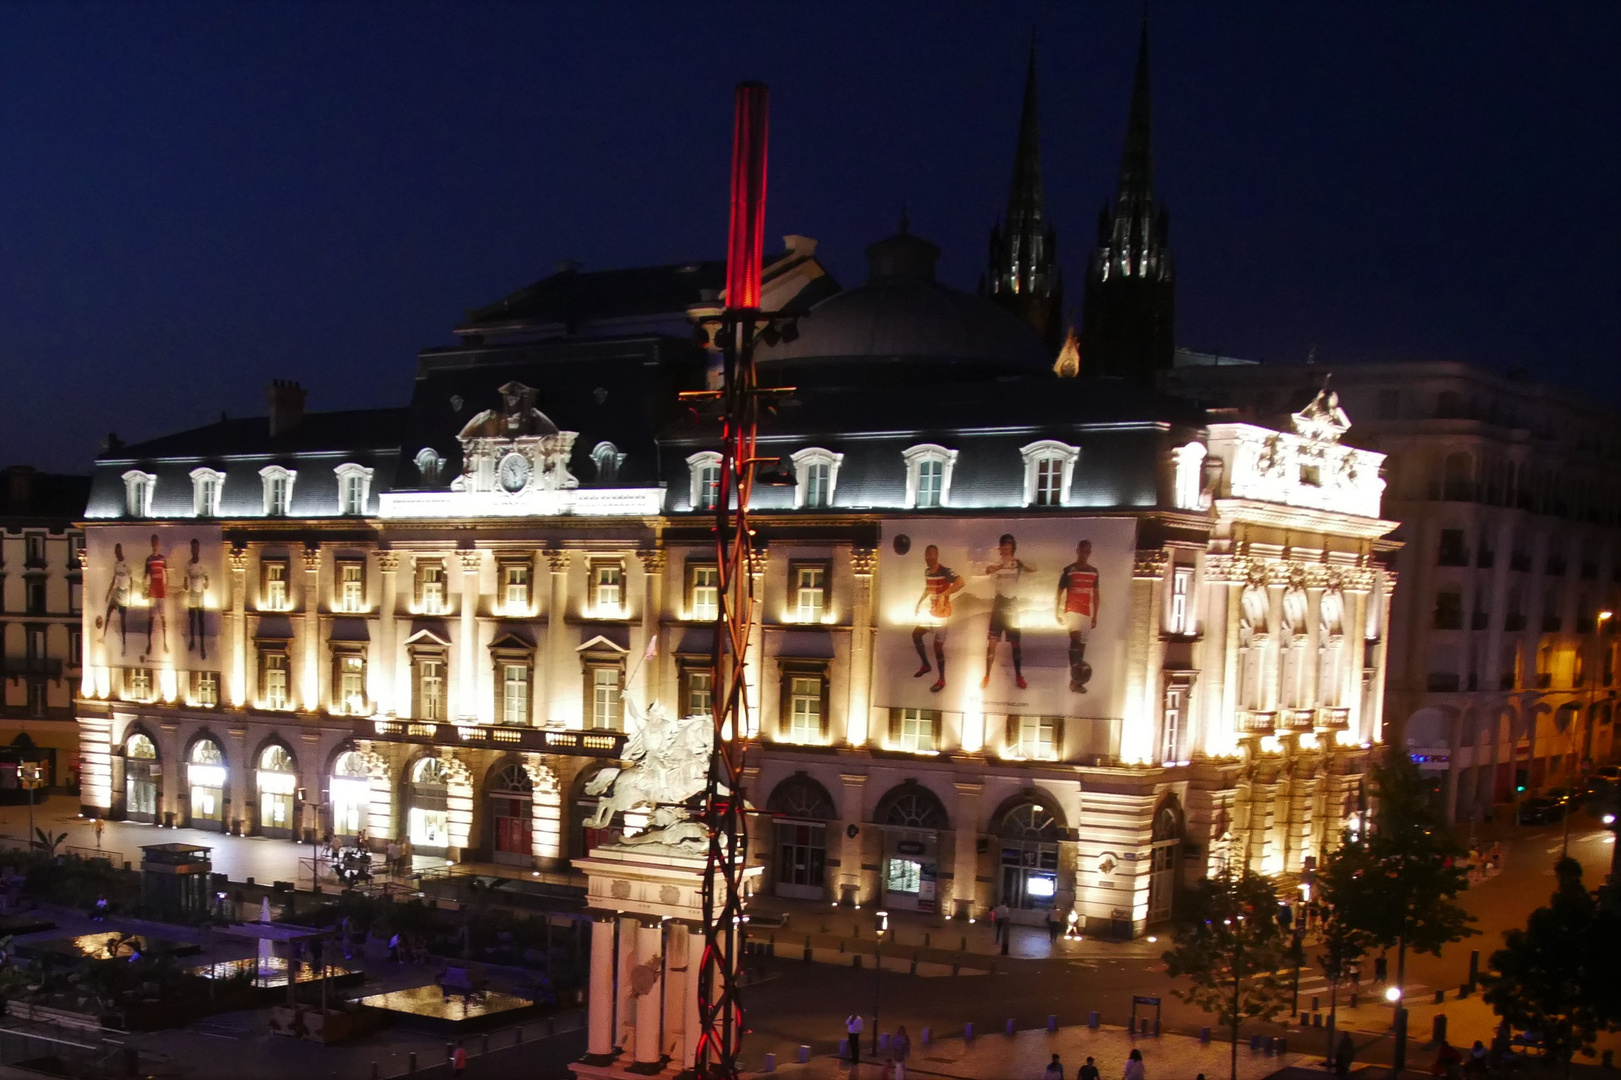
<point>965,871</point>
<point>559,659</point>
<point>311,681</point>
<point>386,680</point>
<point>467,682</point>
<point>858,712</point>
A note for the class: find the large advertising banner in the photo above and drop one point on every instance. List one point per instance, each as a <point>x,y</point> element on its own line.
<point>152,596</point>
<point>1023,617</point>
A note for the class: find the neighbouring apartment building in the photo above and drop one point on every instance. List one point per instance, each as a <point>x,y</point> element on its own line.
<point>1503,669</point>
<point>41,643</point>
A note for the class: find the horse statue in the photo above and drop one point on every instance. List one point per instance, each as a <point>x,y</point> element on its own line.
<point>667,763</point>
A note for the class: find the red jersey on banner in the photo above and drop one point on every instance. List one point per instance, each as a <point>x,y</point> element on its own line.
<point>157,576</point>
<point>938,582</point>
<point>1080,586</point>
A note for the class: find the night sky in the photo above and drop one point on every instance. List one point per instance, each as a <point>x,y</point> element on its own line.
<point>197,199</point>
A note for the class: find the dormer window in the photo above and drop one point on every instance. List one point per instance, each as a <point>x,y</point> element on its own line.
<point>817,474</point>
<point>205,492</point>
<point>607,459</point>
<point>704,470</point>
<point>354,487</point>
<point>278,489</point>
<point>429,464</point>
<point>138,487</point>
<point>1049,467</point>
<point>928,475</point>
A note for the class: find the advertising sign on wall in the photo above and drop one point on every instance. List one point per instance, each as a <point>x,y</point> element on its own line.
<point>152,596</point>
<point>1022,617</point>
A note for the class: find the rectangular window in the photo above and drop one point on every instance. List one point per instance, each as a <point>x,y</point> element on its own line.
<point>275,680</point>
<point>917,730</point>
<point>1038,738</point>
<point>818,484</point>
<point>1176,697</point>
<point>35,644</point>
<point>275,584</point>
<point>431,587</point>
<point>810,592</point>
<point>1181,600</point>
<point>605,698</point>
<point>205,688</point>
<point>515,588</point>
<point>139,684</point>
<point>352,685</point>
<point>708,486</point>
<point>354,494</point>
<point>904,876</point>
<point>75,595</point>
<point>75,647</point>
<point>276,496</point>
<point>931,482</point>
<point>34,549</point>
<point>515,693</point>
<point>607,589</point>
<point>206,496</point>
<point>138,495</point>
<point>703,592</point>
<point>430,688</point>
<point>352,586</point>
<point>34,596</point>
<point>805,709</point>
<point>36,697</point>
<point>700,691</point>
<point>75,551</point>
<point>1049,481</point>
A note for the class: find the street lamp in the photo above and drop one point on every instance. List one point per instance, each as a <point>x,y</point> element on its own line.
<point>31,774</point>
<point>881,923</point>
<point>1592,703</point>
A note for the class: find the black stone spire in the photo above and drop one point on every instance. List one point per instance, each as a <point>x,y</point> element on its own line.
<point>1023,276</point>
<point>1128,311</point>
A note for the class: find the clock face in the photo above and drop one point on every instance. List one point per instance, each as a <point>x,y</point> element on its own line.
<point>514,472</point>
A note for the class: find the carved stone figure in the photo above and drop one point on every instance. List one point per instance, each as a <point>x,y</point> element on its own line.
<point>667,764</point>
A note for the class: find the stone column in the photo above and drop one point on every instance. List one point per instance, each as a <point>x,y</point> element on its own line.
<point>648,988</point>
<point>965,871</point>
<point>239,773</point>
<point>624,999</point>
<point>692,1021</point>
<point>600,1014</point>
<point>558,661</point>
<point>849,884</point>
<point>239,626</point>
<point>467,684</point>
<point>1149,568</point>
<point>680,982</point>
<point>311,681</point>
<point>653,563</point>
<point>858,715</point>
<point>385,684</point>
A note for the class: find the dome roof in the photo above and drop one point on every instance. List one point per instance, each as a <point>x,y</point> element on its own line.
<point>903,312</point>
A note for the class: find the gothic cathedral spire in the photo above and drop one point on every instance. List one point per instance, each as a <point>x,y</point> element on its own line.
<point>1128,310</point>
<point>1023,276</point>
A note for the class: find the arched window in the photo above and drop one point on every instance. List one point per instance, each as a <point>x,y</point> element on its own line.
<point>802,808</point>
<point>928,475</point>
<point>138,488</point>
<point>428,464</point>
<point>142,777</point>
<point>913,806</point>
<point>513,779</point>
<point>350,794</point>
<point>511,815</point>
<point>1030,833</point>
<point>207,776</point>
<point>801,797</point>
<point>1049,469</point>
<point>429,817</point>
<point>278,781</point>
<point>704,475</point>
<point>1189,475</point>
<point>607,458</point>
<point>139,746</point>
<point>276,759</point>
<point>816,473</point>
<point>1167,839</point>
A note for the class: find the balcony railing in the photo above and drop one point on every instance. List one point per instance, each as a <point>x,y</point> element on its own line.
<point>603,744</point>
<point>1255,722</point>
<point>1333,719</point>
<point>1299,719</point>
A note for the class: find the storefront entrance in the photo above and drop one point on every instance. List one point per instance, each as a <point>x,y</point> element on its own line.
<point>912,818</point>
<point>801,808</point>
<point>428,822</point>
<point>350,796</point>
<point>143,779</point>
<point>278,783</point>
<point>511,805</point>
<point>1030,835</point>
<point>206,776</point>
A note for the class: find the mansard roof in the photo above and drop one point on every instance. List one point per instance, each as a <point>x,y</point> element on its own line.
<point>571,297</point>
<point>316,432</point>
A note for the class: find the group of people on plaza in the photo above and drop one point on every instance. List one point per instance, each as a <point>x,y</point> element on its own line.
<point>900,1048</point>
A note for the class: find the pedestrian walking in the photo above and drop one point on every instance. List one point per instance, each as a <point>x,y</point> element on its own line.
<point>394,949</point>
<point>1055,924</point>
<point>852,1031</point>
<point>458,1063</point>
<point>1134,1066</point>
<point>1089,1071</point>
<point>1054,1070</point>
<point>1344,1054</point>
<point>1448,1062</point>
<point>900,1047</point>
<point>1381,968</point>
<point>1002,927</point>
<point>101,827</point>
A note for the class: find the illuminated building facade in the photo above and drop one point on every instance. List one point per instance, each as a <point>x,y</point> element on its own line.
<point>41,598</point>
<point>1503,671</point>
<point>1026,638</point>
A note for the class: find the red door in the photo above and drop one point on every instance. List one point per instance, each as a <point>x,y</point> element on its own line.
<point>512,828</point>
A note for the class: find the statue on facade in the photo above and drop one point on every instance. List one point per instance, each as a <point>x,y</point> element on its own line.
<point>666,767</point>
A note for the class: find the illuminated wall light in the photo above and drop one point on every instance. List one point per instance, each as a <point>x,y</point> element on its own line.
<point>1270,744</point>
<point>973,725</point>
<point>168,685</point>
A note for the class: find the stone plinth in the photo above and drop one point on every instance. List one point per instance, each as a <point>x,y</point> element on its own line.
<point>646,904</point>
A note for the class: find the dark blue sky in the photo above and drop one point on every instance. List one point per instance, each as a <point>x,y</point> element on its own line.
<point>195,199</point>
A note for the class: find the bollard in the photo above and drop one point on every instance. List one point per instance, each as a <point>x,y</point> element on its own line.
<point>926,938</point>
<point>804,1054</point>
<point>1283,1045</point>
<point>1268,1048</point>
<point>770,1063</point>
<point>1474,969</point>
<point>1092,1021</point>
<point>1608,1058</point>
<point>968,1032</point>
<point>1316,1003</point>
<point>1438,1029</point>
<point>1440,997</point>
<point>844,1049</point>
<point>1354,996</point>
<point>964,946</point>
<point>411,1062</point>
<point>1008,1027</point>
<point>1304,1019</point>
<point>1156,1028</point>
<point>1204,1035</point>
<point>1255,1043</point>
<point>485,1048</point>
<point>450,1051</point>
<point>517,1035</point>
<point>883,1041</point>
<point>1052,1022</point>
<point>375,1074</point>
<point>1464,990</point>
<point>1316,1020</point>
<point>928,1033</point>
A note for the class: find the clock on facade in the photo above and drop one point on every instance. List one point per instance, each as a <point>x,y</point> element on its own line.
<point>514,472</point>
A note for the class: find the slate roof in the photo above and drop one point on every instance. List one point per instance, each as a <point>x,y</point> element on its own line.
<point>58,496</point>
<point>571,297</point>
<point>316,432</point>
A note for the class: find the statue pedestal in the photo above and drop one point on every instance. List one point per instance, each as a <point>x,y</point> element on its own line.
<point>646,905</point>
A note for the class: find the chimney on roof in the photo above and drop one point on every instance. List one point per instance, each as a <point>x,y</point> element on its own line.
<point>19,485</point>
<point>286,401</point>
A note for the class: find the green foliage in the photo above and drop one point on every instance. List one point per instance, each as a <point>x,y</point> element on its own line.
<point>46,843</point>
<point>1556,977</point>
<point>1393,887</point>
<point>1229,947</point>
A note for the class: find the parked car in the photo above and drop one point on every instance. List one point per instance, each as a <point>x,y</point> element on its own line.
<point>1607,774</point>
<point>1541,809</point>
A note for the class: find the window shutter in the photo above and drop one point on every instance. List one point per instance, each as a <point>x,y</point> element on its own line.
<point>529,693</point>
<point>827,719</point>
<point>500,681</point>
<point>895,726</point>
<point>335,687</point>
<point>785,702</point>
<point>1013,723</point>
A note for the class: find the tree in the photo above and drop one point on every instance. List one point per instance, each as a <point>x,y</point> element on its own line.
<point>1556,977</point>
<point>1228,944</point>
<point>1343,947</point>
<point>1396,883</point>
<point>47,843</point>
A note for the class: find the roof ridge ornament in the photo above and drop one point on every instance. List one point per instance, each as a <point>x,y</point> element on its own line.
<point>1322,420</point>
